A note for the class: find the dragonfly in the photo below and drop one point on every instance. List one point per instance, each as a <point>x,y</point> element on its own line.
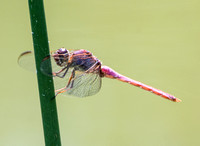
<point>79,73</point>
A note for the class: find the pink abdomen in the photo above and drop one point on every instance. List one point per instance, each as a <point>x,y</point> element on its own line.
<point>110,73</point>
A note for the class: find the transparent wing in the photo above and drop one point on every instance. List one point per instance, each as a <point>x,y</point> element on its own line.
<point>56,69</point>
<point>84,84</point>
<point>62,82</point>
<point>27,61</point>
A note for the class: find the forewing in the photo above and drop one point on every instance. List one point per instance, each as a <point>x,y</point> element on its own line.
<point>27,61</point>
<point>84,84</point>
<point>57,70</point>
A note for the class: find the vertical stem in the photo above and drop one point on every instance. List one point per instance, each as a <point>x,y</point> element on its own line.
<point>45,83</point>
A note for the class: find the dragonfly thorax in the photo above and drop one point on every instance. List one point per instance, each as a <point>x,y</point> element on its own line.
<point>61,56</point>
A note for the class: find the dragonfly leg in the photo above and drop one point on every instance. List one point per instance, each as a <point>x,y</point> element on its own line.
<point>71,78</point>
<point>55,73</point>
<point>66,88</point>
<point>62,76</point>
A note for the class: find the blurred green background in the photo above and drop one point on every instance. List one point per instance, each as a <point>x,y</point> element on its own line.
<point>155,42</point>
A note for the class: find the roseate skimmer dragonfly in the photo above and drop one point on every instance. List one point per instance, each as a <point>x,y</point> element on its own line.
<point>79,73</point>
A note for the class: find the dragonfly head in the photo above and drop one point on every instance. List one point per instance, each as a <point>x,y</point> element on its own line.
<point>61,56</point>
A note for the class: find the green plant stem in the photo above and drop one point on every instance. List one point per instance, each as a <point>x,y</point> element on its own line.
<point>45,83</point>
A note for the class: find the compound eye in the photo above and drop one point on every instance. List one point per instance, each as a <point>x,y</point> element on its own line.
<point>62,51</point>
